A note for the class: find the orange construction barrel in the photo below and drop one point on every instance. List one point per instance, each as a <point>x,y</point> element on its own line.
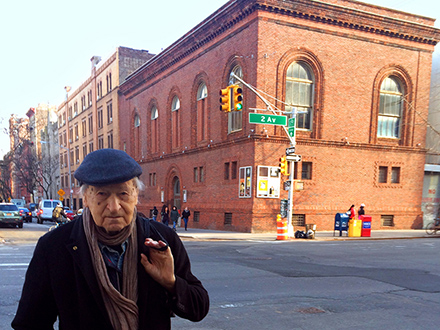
<point>281,228</point>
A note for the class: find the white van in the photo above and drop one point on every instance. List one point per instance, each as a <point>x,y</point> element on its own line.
<point>45,208</point>
<point>19,202</point>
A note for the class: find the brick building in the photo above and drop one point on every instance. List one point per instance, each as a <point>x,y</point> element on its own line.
<point>88,119</point>
<point>358,74</point>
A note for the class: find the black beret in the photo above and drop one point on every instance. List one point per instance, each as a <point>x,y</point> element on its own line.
<point>107,166</point>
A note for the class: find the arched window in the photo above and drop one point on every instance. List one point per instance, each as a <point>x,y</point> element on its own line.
<point>202,112</point>
<point>175,122</point>
<point>136,135</point>
<point>299,93</point>
<point>235,118</point>
<point>202,92</point>
<point>154,113</point>
<point>154,129</point>
<point>390,108</point>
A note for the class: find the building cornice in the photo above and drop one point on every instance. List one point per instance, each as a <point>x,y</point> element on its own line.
<point>232,13</point>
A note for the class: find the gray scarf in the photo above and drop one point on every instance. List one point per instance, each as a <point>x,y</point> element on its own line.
<point>121,308</point>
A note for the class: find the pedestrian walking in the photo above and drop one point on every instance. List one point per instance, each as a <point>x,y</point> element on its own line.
<point>165,215</point>
<point>174,217</point>
<point>185,215</point>
<point>110,268</point>
<point>58,214</point>
<point>155,213</point>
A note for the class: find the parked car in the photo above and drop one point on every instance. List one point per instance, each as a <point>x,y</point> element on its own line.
<point>25,214</point>
<point>45,208</point>
<point>69,213</point>
<point>10,215</point>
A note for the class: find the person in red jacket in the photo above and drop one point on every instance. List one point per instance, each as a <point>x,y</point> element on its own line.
<point>110,268</point>
<point>352,212</point>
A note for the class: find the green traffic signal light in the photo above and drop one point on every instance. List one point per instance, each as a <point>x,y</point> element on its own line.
<point>237,98</point>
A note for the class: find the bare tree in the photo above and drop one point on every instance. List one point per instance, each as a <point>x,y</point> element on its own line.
<point>48,171</point>
<point>5,178</point>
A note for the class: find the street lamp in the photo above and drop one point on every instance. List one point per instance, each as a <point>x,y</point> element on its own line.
<point>70,172</point>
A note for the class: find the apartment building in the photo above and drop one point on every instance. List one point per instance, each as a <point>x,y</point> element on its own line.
<point>88,119</point>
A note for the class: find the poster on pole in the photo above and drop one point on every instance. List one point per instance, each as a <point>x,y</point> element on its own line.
<point>268,182</point>
<point>245,182</point>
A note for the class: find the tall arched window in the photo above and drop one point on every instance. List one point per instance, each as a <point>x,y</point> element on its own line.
<point>154,129</point>
<point>136,135</point>
<point>390,108</point>
<point>299,93</point>
<point>175,122</point>
<point>235,118</point>
<point>202,112</point>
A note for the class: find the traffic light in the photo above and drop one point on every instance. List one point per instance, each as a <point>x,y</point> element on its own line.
<point>225,99</point>
<point>283,165</point>
<point>237,98</point>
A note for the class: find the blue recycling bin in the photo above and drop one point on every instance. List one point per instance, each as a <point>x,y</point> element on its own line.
<point>341,223</point>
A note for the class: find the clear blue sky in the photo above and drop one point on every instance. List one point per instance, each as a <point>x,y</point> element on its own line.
<point>47,44</point>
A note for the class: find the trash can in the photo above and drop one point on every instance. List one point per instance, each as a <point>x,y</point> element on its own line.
<point>354,228</point>
<point>366,225</point>
<point>310,230</point>
<point>341,223</point>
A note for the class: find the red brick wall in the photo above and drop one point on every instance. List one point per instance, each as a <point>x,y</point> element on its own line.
<point>349,63</point>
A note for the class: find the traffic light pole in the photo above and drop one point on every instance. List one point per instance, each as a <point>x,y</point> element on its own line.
<point>292,145</point>
<point>269,107</point>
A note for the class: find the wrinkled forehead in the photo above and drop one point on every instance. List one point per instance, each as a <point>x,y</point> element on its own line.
<point>128,186</point>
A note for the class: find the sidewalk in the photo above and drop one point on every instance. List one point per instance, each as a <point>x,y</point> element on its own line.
<point>206,234</point>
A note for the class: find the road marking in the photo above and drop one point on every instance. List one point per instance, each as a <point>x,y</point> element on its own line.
<point>17,264</point>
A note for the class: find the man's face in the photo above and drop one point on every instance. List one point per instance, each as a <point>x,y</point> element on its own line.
<point>112,206</point>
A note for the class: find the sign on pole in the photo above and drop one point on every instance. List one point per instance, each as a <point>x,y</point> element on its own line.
<point>291,127</point>
<point>256,118</point>
<point>294,158</point>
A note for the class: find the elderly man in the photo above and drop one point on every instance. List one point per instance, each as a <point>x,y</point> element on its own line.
<point>110,268</point>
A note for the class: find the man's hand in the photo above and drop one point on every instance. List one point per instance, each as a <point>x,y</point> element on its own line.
<point>161,267</point>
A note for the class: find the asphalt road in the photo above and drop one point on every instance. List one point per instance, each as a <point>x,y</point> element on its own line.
<point>386,284</point>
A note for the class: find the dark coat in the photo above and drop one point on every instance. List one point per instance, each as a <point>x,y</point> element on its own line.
<point>165,217</point>
<point>174,215</point>
<point>61,281</point>
<point>186,214</point>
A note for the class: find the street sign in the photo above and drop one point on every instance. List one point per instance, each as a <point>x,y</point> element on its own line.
<point>294,158</point>
<point>292,122</point>
<point>290,151</point>
<point>256,118</point>
<point>283,208</point>
<point>291,127</point>
<point>61,192</point>
<point>287,185</point>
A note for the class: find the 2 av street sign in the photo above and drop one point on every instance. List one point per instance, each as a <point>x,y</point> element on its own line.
<point>256,118</point>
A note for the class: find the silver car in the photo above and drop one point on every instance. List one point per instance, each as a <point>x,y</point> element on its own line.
<point>10,215</point>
